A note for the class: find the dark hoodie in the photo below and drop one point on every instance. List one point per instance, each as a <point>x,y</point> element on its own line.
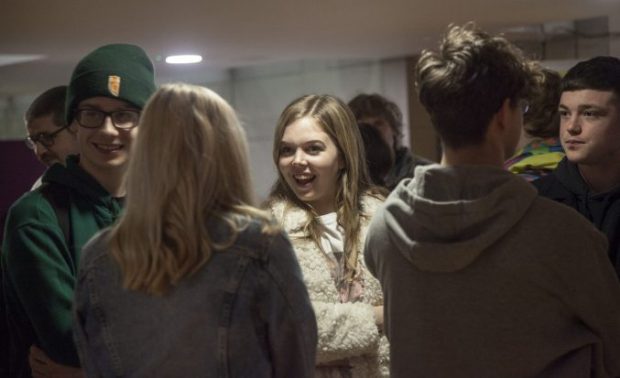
<point>404,167</point>
<point>39,268</point>
<point>483,278</point>
<point>565,185</point>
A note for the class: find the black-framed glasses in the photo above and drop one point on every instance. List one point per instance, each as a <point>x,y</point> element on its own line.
<point>94,118</point>
<point>46,139</point>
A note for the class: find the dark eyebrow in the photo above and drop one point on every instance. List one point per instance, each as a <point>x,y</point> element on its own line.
<point>304,143</point>
<point>314,141</point>
<point>582,106</point>
<point>587,106</point>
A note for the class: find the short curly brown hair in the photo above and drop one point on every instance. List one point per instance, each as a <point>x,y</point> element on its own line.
<point>543,120</point>
<point>465,82</point>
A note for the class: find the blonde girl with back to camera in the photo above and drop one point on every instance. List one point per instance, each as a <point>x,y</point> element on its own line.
<point>193,280</point>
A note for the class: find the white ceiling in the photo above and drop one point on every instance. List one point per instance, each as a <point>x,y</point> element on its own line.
<point>235,33</point>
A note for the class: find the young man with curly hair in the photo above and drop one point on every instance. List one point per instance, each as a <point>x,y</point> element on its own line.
<point>481,276</point>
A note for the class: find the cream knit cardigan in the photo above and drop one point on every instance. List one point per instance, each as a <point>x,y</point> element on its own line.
<point>346,331</point>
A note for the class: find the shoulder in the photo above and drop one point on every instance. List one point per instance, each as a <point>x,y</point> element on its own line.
<point>268,245</point>
<point>560,189</point>
<point>371,207</point>
<point>254,229</point>
<point>549,208</point>
<point>561,240</point>
<point>276,207</point>
<point>287,214</point>
<point>249,235</point>
<point>30,208</point>
<point>32,232</point>
<point>95,250</point>
<point>564,180</point>
<point>546,182</point>
<point>371,202</point>
<point>555,219</point>
<point>419,160</point>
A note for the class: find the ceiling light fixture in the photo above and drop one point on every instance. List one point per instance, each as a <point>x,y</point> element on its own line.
<point>183,59</point>
<point>8,59</point>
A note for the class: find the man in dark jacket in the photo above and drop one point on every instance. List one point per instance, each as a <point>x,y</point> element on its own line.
<point>588,178</point>
<point>47,227</point>
<point>385,117</point>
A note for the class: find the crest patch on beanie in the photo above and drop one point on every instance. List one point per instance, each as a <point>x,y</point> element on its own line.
<point>114,85</point>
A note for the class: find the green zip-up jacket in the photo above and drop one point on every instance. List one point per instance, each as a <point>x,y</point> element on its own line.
<point>40,267</point>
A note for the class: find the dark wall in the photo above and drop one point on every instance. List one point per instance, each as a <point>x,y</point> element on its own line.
<point>19,169</point>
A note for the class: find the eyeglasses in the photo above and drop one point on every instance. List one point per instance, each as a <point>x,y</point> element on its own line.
<point>46,139</point>
<point>525,106</point>
<point>94,118</point>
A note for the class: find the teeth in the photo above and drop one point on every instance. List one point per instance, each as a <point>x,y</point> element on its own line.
<point>108,147</point>
<point>304,179</point>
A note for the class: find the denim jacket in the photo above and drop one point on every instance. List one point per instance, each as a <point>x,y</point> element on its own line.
<point>246,313</point>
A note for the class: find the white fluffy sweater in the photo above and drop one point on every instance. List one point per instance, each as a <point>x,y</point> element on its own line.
<point>346,331</point>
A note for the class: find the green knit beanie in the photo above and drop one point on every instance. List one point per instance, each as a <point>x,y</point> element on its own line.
<point>118,71</point>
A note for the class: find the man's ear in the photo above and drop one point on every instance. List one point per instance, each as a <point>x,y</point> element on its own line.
<point>504,114</point>
<point>501,120</point>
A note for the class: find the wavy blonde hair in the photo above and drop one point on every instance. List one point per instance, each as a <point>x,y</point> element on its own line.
<point>337,121</point>
<point>188,164</point>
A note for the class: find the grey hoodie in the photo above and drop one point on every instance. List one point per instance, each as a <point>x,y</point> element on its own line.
<point>483,278</point>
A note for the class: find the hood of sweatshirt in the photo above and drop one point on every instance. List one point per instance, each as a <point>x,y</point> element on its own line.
<point>445,217</point>
<point>92,206</point>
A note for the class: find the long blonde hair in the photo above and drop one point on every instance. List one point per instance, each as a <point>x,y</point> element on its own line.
<point>337,121</point>
<point>189,163</point>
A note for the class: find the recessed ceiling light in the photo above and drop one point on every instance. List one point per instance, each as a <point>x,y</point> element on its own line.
<point>183,59</point>
<point>7,59</point>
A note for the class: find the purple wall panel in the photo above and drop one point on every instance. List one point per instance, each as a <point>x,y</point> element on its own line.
<point>19,169</point>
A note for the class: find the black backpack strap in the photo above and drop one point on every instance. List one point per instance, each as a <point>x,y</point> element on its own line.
<point>58,197</point>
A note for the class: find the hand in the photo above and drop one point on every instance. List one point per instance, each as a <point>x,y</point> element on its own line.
<point>44,367</point>
<point>379,317</point>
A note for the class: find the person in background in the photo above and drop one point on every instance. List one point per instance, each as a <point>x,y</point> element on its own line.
<point>220,275</point>
<point>542,150</point>
<point>588,179</point>
<point>47,227</point>
<point>385,116</point>
<point>481,276</point>
<point>52,141</point>
<point>379,157</point>
<point>324,201</point>
<point>49,136</point>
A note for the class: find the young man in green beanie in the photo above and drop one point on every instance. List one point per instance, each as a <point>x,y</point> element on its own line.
<point>46,228</point>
